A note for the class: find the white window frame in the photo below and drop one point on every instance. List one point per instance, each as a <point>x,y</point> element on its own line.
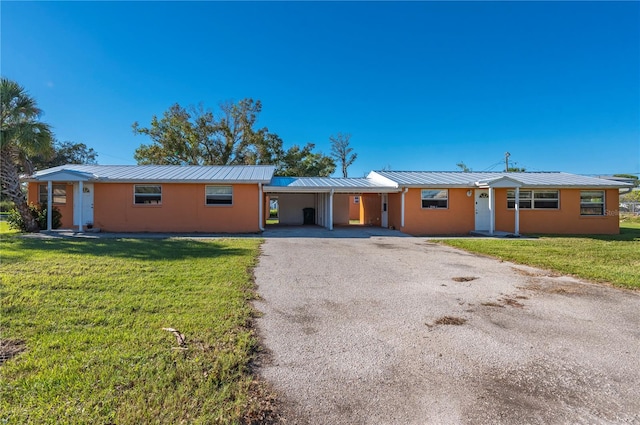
<point>434,198</point>
<point>44,194</point>
<point>218,199</point>
<point>528,199</point>
<point>592,204</point>
<point>142,195</point>
<point>356,199</point>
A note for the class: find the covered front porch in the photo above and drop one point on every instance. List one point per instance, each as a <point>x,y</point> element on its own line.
<point>80,198</point>
<point>485,206</point>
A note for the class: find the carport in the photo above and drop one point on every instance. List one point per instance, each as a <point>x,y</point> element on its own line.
<point>328,197</point>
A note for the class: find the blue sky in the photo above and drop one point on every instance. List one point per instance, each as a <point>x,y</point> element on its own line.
<point>418,85</point>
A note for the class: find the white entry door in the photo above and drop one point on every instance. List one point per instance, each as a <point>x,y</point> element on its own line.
<point>87,204</point>
<point>483,215</point>
<point>385,211</point>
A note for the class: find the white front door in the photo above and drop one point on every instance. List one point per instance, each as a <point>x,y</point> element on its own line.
<point>385,212</point>
<point>87,204</point>
<point>483,215</point>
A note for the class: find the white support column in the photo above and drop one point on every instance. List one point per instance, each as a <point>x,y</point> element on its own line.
<point>80,206</point>
<point>331,210</point>
<point>260,208</point>
<point>404,191</point>
<point>517,208</point>
<point>492,211</point>
<point>49,204</point>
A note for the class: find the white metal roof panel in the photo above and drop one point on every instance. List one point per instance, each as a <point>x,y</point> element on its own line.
<point>464,179</point>
<point>168,173</point>
<point>326,184</point>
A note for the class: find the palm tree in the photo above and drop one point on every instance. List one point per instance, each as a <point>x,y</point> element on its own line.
<point>21,136</point>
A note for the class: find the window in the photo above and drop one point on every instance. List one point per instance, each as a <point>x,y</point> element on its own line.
<point>545,199</point>
<point>592,202</point>
<point>435,198</point>
<point>147,194</point>
<point>356,199</point>
<point>219,195</point>
<point>525,199</point>
<point>534,199</point>
<point>59,194</point>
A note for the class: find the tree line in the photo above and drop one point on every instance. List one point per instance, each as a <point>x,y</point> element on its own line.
<point>195,136</point>
<point>181,136</point>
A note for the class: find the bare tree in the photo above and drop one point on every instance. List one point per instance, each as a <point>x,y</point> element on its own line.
<point>341,151</point>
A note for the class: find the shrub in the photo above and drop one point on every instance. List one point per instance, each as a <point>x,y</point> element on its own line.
<point>39,212</point>
<point>6,205</point>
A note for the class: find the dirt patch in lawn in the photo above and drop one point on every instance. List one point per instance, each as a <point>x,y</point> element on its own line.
<point>10,348</point>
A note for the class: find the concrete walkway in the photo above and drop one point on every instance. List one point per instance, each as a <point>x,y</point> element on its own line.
<point>387,329</point>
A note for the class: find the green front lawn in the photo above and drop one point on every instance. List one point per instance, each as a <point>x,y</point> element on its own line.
<point>89,315</point>
<point>603,258</point>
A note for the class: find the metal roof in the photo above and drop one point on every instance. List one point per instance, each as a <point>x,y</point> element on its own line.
<point>326,184</point>
<point>165,173</point>
<point>472,179</point>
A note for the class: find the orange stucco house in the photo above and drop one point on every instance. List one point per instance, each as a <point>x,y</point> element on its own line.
<point>233,199</point>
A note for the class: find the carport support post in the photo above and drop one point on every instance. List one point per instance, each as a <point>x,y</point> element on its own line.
<point>49,204</point>
<point>492,216</point>
<point>331,210</point>
<point>517,208</point>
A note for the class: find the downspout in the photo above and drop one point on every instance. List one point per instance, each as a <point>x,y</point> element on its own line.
<point>260,208</point>
<point>49,204</point>
<point>331,210</point>
<point>406,189</point>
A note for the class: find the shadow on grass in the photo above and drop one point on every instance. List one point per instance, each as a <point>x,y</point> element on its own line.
<point>16,248</point>
<point>627,234</point>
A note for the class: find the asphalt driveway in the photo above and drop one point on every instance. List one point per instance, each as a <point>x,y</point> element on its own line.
<point>376,328</point>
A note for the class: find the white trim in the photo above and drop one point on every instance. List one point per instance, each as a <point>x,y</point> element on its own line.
<point>492,211</point>
<point>331,210</point>
<point>49,204</point>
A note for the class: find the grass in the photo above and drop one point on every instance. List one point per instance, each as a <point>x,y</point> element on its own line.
<point>89,315</point>
<point>613,259</point>
<point>5,229</point>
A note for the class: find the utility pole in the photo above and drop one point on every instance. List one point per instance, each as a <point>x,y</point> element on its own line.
<point>506,161</point>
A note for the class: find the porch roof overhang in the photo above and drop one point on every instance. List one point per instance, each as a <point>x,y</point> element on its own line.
<point>62,175</point>
<point>326,185</point>
<point>499,182</point>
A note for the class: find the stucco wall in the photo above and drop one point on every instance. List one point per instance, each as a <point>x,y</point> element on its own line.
<point>457,219</point>
<point>354,208</point>
<point>341,208</point>
<point>291,204</point>
<point>183,209</point>
<point>565,220</point>
<point>370,209</point>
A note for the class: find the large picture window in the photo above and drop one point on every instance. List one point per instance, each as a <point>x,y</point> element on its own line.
<point>435,198</point>
<point>592,202</point>
<point>534,199</point>
<point>219,195</point>
<point>144,194</point>
<point>59,194</point>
